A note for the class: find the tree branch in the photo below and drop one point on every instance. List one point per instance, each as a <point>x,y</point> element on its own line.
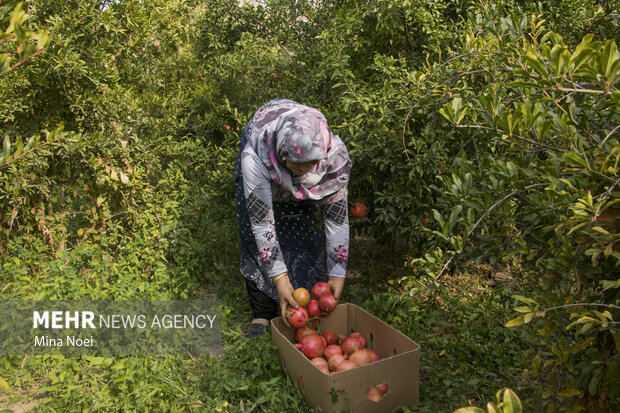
<point>615,307</point>
<point>600,145</point>
<point>486,214</point>
<point>533,142</point>
<point>24,60</point>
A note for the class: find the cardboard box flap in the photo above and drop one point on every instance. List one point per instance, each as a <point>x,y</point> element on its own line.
<point>374,330</point>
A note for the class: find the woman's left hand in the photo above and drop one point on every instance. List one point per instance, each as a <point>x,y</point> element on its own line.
<point>336,284</point>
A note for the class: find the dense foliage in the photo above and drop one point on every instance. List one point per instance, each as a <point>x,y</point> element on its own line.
<point>483,135</point>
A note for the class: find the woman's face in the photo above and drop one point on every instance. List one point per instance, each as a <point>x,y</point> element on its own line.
<point>300,168</point>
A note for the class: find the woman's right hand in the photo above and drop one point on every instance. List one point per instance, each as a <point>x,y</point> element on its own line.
<point>285,295</point>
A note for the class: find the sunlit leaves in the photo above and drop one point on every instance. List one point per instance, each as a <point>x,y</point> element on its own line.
<point>25,42</point>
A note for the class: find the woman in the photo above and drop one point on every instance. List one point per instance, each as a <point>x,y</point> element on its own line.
<point>290,166</point>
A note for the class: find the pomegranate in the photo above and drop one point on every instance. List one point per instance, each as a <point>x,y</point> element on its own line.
<point>359,337</point>
<point>374,394</point>
<point>301,332</point>
<point>383,387</point>
<point>311,346</point>
<point>360,357</point>
<point>319,289</point>
<point>358,210</point>
<point>351,345</point>
<point>297,317</point>
<point>330,337</point>
<point>331,350</point>
<point>327,303</point>
<point>373,356</point>
<point>301,296</point>
<point>320,362</point>
<point>346,365</point>
<point>313,309</point>
<point>334,361</point>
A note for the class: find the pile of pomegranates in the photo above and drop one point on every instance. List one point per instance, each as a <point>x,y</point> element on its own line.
<point>331,352</point>
<point>328,351</point>
<point>322,302</point>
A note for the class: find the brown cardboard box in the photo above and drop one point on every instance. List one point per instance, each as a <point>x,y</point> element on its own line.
<point>346,391</point>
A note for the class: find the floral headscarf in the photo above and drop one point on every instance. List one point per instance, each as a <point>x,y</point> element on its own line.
<point>293,132</point>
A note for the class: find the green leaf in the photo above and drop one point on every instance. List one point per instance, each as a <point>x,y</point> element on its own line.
<point>447,114</point>
<point>43,39</point>
<point>515,322</point>
<point>533,59</point>
<point>470,409</point>
<point>524,309</point>
<point>512,404</point>
<point>608,58</point>
<point>575,159</point>
<point>582,53</point>
<point>521,83</point>
<point>523,299</point>
<point>4,386</point>
<point>492,408</point>
<point>601,230</point>
<point>20,147</point>
<point>569,393</point>
<point>7,147</point>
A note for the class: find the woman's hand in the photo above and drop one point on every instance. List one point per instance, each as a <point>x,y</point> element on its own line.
<point>285,295</point>
<point>336,284</point>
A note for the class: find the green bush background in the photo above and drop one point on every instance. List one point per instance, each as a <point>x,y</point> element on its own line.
<point>484,137</point>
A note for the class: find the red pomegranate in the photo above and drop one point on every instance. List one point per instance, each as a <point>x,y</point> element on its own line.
<point>360,357</point>
<point>330,337</point>
<point>373,356</point>
<point>383,387</point>
<point>319,289</point>
<point>313,309</point>
<point>327,303</point>
<point>301,332</point>
<point>351,345</point>
<point>334,361</point>
<point>346,365</point>
<point>374,394</point>
<point>320,362</point>
<point>331,350</point>
<point>359,337</point>
<point>297,317</point>
<point>311,346</point>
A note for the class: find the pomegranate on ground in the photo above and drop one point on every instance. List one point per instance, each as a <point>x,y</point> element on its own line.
<point>374,394</point>
<point>383,387</point>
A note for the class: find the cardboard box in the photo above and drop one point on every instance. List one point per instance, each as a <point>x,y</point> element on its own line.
<point>399,365</point>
